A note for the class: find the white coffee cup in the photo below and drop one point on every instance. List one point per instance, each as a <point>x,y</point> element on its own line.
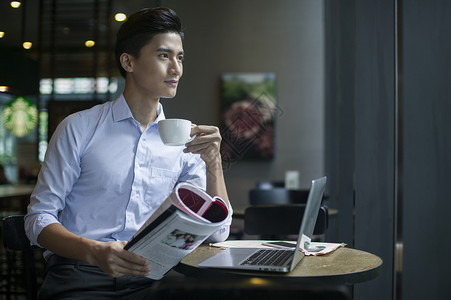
<point>175,132</point>
<point>292,180</point>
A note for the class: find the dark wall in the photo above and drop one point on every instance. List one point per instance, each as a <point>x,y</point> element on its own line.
<point>426,148</point>
<point>398,128</point>
<point>339,16</point>
<point>360,145</point>
<point>375,107</point>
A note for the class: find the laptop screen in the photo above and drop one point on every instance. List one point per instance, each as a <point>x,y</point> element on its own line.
<point>309,220</point>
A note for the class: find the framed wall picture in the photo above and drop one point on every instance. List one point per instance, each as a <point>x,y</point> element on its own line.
<point>248,112</point>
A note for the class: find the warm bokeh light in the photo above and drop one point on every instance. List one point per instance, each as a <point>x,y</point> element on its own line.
<point>120,17</point>
<point>258,281</point>
<point>89,43</point>
<point>15,4</point>
<point>2,34</point>
<point>27,45</point>
<point>3,88</point>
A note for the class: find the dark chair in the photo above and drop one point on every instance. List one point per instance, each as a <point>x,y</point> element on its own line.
<point>247,288</point>
<point>277,196</point>
<point>14,241</point>
<point>279,221</point>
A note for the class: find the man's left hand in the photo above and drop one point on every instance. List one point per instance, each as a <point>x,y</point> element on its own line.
<point>207,143</point>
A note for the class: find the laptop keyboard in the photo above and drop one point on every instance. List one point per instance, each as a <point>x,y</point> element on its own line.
<point>268,257</point>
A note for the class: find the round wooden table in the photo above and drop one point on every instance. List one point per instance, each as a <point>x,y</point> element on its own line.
<point>343,266</point>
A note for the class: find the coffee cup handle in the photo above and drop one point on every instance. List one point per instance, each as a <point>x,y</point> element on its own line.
<point>191,139</point>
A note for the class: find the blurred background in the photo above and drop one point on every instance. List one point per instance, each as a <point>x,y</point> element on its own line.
<point>285,38</point>
<point>361,96</point>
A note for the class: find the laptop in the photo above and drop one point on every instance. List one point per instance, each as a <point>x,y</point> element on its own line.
<point>274,259</point>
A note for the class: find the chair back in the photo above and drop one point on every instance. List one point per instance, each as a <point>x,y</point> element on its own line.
<point>277,220</point>
<point>13,232</point>
<point>14,239</point>
<point>277,196</point>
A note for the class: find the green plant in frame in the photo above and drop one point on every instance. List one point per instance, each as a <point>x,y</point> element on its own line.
<point>248,115</point>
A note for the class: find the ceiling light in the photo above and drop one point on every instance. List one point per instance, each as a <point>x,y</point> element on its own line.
<point>15,4</point>
<point>89,43</point>
<point>27,45</point>
<point>120,17</point>
<point>2,34</point>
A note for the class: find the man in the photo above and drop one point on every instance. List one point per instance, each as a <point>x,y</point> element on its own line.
<point>106,170</point>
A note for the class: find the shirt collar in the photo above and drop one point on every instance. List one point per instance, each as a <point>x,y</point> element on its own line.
<point>160,113</point>
<point>121,111</point>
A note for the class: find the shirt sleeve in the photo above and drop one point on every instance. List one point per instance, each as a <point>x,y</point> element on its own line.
<point>60,170</point>
<point>223,232</point>
<point>196,173</point>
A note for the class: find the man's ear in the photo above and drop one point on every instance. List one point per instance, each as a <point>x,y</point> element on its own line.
<point>126,62</point>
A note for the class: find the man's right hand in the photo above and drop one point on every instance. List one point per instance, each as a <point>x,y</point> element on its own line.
<point>114,260</point>
<point>111,257</point>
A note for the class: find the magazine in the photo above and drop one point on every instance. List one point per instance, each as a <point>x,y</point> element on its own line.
<point>183,221</point>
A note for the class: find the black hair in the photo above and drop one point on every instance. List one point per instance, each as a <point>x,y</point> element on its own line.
<point>141,27</point>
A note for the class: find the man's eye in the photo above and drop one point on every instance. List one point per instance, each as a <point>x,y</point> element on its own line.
<point>180,58</point>
<point>163,55</point>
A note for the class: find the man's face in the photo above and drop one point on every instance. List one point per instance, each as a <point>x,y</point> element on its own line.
<point>157,70</point>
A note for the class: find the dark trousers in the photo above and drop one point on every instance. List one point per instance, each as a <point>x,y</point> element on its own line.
<point>72,279</point>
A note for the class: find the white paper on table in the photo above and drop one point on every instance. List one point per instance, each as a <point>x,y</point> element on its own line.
<point>317,248</point>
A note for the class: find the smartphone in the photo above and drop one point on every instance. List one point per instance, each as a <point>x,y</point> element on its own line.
<point>281,244</point>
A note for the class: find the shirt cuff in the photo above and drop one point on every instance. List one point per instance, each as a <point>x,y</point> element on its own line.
<point>223,232</point>
<point>34,224</point>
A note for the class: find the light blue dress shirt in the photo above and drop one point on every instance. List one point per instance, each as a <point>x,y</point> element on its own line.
<point>102,177</point>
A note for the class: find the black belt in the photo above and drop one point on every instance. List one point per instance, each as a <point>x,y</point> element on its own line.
<point>59,260</point>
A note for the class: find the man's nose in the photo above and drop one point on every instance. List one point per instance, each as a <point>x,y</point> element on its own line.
<point>175,68</point>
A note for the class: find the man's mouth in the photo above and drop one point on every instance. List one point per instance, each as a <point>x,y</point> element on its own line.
<point>172,82</point>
